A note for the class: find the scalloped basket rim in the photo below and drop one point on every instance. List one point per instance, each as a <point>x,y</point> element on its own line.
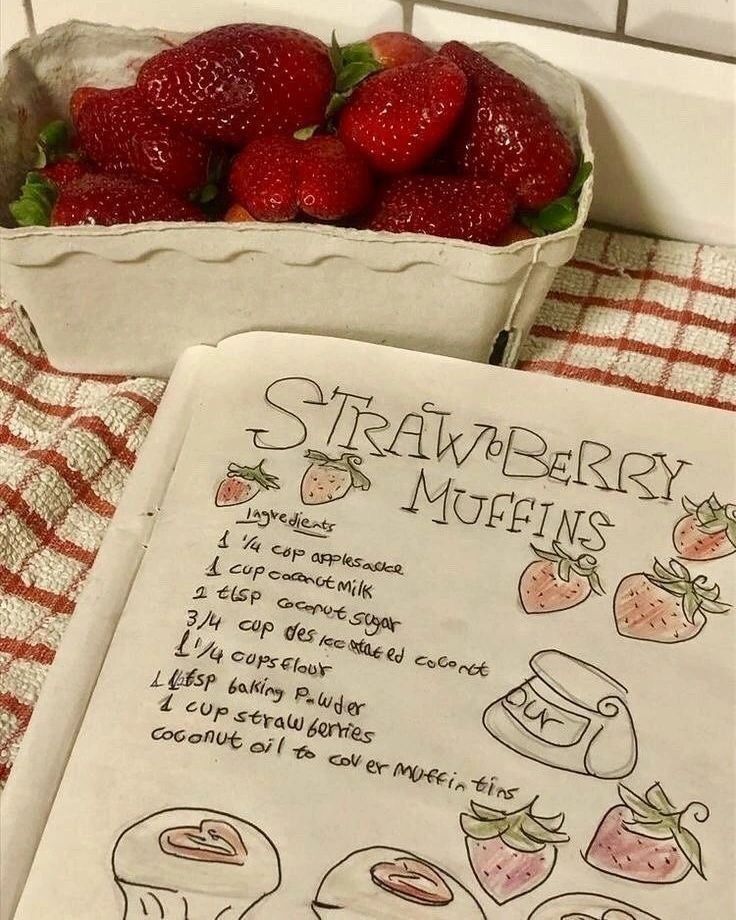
<point>347,234</point>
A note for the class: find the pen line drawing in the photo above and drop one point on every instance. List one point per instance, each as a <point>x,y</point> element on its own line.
<point>569,715</point>
<point>328,479</point>
<point>557,581</point>
<point>243,483</point>
<point>377,882</point>
<point>511,852</point>
<point>666,605</point>
<point>643,839</point>
<point>182,863</point>
<point>707,531</point>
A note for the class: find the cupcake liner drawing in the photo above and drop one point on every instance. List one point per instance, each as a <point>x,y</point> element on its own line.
<point>193,864</point>
<point>381,882</point>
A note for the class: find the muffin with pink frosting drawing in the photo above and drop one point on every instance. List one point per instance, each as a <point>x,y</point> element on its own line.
<point>194,864</point>
<point>380,882</point>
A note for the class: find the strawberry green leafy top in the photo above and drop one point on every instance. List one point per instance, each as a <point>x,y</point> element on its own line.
<point>521,830</point>
<point>698,596</point>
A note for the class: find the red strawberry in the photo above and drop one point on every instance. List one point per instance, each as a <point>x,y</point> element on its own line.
<point>243,483</point>
<point>450,206</point>
<point>277,177</point>
<point>393,49</point>
<point>107,200</point>
<point>237,214</point>
<point>121,133</point>
<point>327,479</point>
<point>515,234</point>
<point>666,605</point>
<point>707,531</point>
<point>644,839</point>
<point>511,853</point>
<point>508,134</point>
<point>65,170</point>
<point>398,118</point>
<point>241,81</point>
<point>557,581</point>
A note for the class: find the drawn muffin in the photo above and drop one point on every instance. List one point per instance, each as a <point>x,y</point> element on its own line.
<point>580,906</point>
<point>381,882</point>
<point>186,863</point>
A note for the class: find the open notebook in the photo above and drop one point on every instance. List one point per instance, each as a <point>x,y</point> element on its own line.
<point>377,634</point>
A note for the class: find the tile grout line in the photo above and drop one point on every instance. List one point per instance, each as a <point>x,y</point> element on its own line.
<point>620,38</point>
<point>623,9</point>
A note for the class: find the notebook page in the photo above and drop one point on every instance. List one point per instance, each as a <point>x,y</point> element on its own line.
<point>414,638</point>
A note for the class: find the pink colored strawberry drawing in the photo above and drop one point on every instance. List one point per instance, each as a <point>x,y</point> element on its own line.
<point>329,478</point>
<point>511,853</point>
<point>243,483</point>
<point>666,605</point>
<point>644,839</point>
<point>557,580</point>
<point>707,531</point>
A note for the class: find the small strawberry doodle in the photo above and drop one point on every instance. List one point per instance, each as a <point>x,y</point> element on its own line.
<point>644,840</point>
<point>707,531</point>
<point>558,581</point>
<point>243,483</point>
<point>183,863</point>
<point>665,605</point>
<point>511,853</point>
<point>580,905</point>
<point>569,715</point>
<point>328,479</point>
<point>380,882</point>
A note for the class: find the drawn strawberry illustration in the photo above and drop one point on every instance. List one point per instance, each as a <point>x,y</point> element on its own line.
<point>666,605</point>
<point>328,478</point>
<point>243,483</point>
<point>644,839</point>
<point>557,580</point>
<point>707,531</point>
<point>511,853</point>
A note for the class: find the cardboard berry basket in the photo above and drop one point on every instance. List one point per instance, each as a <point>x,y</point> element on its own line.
<point>129,299</point>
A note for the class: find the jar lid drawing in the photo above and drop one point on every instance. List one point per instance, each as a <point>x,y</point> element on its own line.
<point>570,715</point>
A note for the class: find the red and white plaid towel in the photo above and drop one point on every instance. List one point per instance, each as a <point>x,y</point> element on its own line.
<point>648,315</point>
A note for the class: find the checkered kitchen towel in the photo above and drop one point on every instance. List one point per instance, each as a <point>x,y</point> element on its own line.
<point>658,317</point>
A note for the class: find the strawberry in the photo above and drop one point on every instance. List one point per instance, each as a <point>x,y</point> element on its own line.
<point>457,207</point>
<point>121,133</point>
<point>327,479</point>
<point>508,134</point>
<point>243,483</point>
<point>398,118</point>
<point>65,170</point>
<point>515,233</point>
<point>241,81</point>
<point>644,839</point>
<point>666,605</point>
<point>108,200</point>
<point>511,853</point>
<point>237,214</point>
<point>393,49</point>
<point>557,581</point>
<point>707,531</point>
<point>275,178</point>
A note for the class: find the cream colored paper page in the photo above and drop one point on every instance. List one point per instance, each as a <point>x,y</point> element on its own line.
<point>400,648</point>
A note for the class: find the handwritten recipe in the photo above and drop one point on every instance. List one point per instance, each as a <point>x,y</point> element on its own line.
<point>414,639</point>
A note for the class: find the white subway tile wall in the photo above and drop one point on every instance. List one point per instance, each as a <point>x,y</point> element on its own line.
<point>709,25</point>
<point>353,19</point>
<point>592,14</point>
<point>662,124</point>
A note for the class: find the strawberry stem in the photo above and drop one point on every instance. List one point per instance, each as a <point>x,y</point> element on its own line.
<point>33,207</point>
<point>254,473</point>
<point>53,142</point>
<point>351,64</point>
<point>561,213</point>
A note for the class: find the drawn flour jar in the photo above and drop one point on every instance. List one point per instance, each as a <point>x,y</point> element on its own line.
<point>569,715</point>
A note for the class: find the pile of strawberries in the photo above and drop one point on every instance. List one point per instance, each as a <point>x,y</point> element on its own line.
<point>257,122</point>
